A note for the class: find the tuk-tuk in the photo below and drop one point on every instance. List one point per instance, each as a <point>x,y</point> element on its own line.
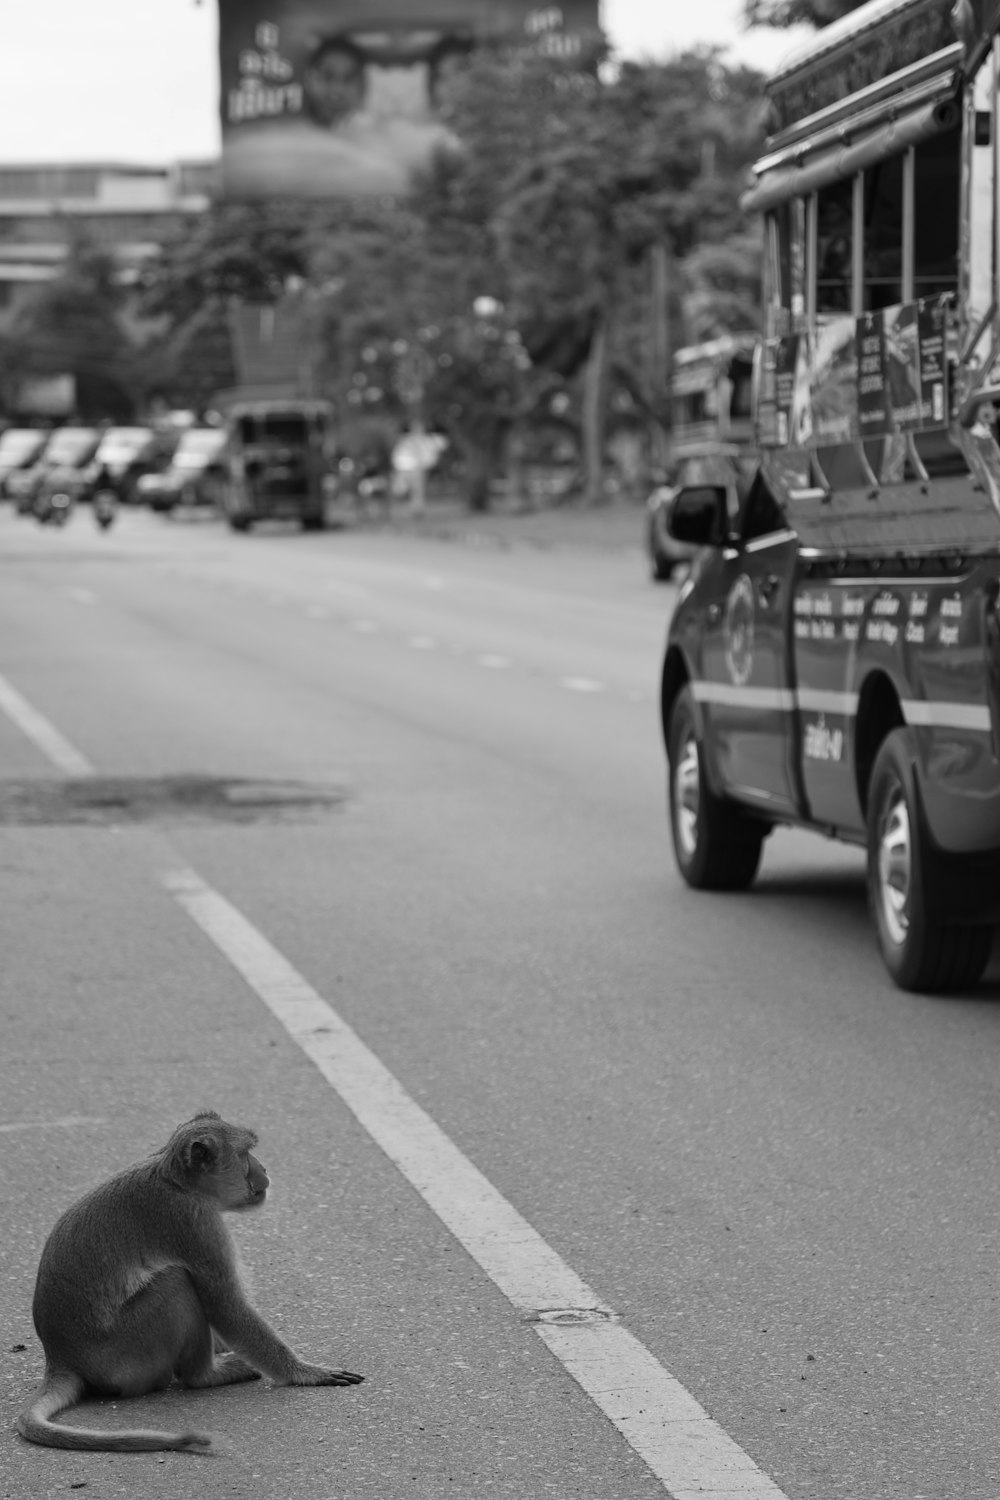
<point>278,455</point>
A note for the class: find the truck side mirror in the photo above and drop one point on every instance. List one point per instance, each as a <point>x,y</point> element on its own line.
<point>698,514</point>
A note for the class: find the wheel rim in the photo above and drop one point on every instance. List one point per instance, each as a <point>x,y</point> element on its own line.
<point>687,794</point>
<point>895,868</point>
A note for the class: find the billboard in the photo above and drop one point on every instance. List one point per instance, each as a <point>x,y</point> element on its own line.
<point>332,98</point>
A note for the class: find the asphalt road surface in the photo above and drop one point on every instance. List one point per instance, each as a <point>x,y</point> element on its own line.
<point>610,1189</point>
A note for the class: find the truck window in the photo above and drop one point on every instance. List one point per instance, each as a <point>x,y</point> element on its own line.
<point>761,514</point>
<point>274,428</point>
<point>936,187</point>
<point>741,398</point>
<point>834,247</point>
<point>785,267</point>
<point>883,235</point>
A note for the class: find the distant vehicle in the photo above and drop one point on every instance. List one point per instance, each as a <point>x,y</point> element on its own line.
<point>123,457</point>
<point>711,436</point>
<point>59,465</point>
<point>279,455</point>
<point>195,475</point>
<point>19,448</point>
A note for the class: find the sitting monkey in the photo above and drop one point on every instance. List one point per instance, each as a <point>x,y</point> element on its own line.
<point>138,1285</point>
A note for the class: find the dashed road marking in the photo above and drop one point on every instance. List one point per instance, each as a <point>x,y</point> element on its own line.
<point>360,625</point>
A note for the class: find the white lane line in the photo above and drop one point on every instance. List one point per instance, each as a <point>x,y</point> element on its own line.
<point>681,1444</point>
<point>495,662</point>
<point>582,684</point>
<point>64,756</point>
<point>83,596</point>
<point>421,642</point>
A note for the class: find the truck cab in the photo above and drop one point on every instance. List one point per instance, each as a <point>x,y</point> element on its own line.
<point>833,661</point>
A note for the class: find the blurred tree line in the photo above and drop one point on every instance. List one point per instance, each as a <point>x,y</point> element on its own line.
<point>522,300</point>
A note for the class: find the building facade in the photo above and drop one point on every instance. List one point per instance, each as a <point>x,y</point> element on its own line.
<point>123,206</point>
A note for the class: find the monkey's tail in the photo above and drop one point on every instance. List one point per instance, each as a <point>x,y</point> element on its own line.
<point>61,1388</point>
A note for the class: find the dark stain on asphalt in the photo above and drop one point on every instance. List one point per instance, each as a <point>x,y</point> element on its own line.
<point>109,800</point>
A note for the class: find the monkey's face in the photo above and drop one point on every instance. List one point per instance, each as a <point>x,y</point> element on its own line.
<point>207,1155</point>
<point>257,1182</point>
<point>243,1185</point>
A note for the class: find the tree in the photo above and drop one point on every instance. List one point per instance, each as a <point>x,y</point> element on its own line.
<point>253,252</point>
<point>722,286</point>
<point>233,250</point>
<point>73,326</point>
<point>654,161</point>
<point>194,360</point>
<point>519,271</point>
<point>783,13</point>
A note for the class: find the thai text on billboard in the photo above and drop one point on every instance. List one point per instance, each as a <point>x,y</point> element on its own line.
<point>333,98</point>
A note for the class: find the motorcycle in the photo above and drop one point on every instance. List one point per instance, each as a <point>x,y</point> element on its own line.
<point>53,507</point>
<point>105,506</point>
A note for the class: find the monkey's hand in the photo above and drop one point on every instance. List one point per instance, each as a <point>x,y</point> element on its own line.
<point>320,1375</point>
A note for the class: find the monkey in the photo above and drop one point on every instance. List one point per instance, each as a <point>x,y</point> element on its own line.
<point>138,1284</point>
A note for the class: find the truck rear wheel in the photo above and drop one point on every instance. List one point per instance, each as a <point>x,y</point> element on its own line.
<point>716,845</point>
<point>921,952</point>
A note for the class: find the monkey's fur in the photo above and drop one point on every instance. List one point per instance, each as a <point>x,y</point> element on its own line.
<point>138,1285</point>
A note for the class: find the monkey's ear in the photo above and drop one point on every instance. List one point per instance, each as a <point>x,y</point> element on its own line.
<point>202,1153</point>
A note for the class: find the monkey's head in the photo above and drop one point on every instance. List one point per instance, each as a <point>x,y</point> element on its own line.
<point>209,1156</point>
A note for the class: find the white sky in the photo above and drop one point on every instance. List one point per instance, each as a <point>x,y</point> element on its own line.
<point>136,80</point>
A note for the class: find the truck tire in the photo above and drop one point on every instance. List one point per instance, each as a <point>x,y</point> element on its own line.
<point>921,952</point>
<point>717,846</point>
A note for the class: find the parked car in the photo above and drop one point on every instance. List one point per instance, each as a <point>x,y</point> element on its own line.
<point>19,448</point>
<point>59,465</point>
<point>124,455</point>
<point>195,475</point>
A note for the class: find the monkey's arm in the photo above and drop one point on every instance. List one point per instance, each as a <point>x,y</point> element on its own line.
<point>247,1333</point>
